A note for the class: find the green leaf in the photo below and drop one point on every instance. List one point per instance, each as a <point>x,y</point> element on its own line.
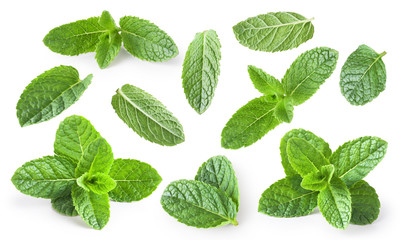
<point>147,116</point>
<point>146,41</point>
<point>250,123</point>
<point>365,203</point>
<point>286,198</point>
<point>274,32</point>
<point>218,172</point>
<point>355,159</point>
<point>317,181</point>
<point>335,203</point>
<point>363,76</point>
<point>47,177</point>
<point>107,48</point>
<point>201,70</point>
<point>107,22</point>
<point>135,180</point>
<point>284,110</point>
<point>264,82</point>
<point>98,183</point>
<point>50,94</point>
<point>73,136</point>
<point>76,37</point>
<point>304,157</point>
<point>198,204</point>
<point>64,205</point>
<point>315,141</point>
<point>308,72</point>
<point>97,158</point>
<point>93,208</point>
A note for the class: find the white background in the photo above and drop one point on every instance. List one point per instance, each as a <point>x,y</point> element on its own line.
<point>342,25</point>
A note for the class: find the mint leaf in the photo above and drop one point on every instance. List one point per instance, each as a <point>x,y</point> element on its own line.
<point>365,203</point>
<point>107,48</point>
<point>147,116</point>
<point>284,110</point>
<point>98,183</point>
<point>107,22</point>
<point>274,32</point>
<point>264,82</point>
<point>201,70</point>
<point>146,41</point>
<point>308,72</point>
<point>355,159</point>
<point>198,204</point>
<point>64,205</point>
<point>310,137</point>
<point>50,94</point>
<point>47,177</point>
<point>218,172</point>
<point>335,203</point>
<point>76,37</point>
<point>250,123</point>
<point>93,208</point>
<point>317,181</point>
<point>286,198</point>
<point>135,180</point>
<point>363,76</point>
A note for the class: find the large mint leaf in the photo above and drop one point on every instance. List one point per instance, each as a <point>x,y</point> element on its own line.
<point>73,136</point>
<point>147,116</point>
<point>265,83</point>
<point>135,180</point>
<point>201,70</point>
<point>250,123</point>
<point>363,76</point>
<point>274,32</point>
<point>98,183</point>
<point>308,72</point>
<point>286,198</point>
<point>107,48</point>
<point>76,37</point>
<point>50,94</point>
<point>365,203</point>
<point>335,203</point>
<point>355,159</point>
<point>47,177</point>
<point>146,41</point>
<point>198,204</point>
<point>218,172</point>
<point>64,205</point>
<point>93,208</point>
<point>310,137</point>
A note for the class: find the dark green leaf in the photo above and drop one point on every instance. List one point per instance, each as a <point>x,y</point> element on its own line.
<point>365,203</point>
<point>64,205</point>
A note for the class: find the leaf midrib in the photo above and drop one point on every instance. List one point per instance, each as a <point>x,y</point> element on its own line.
<point>283,24</point>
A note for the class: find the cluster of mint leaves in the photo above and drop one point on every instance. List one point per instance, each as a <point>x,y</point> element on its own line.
<point>333,181</point>
<point>82,175</point>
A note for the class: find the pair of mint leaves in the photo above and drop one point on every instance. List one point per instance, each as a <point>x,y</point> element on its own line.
<point>83,174</point>
<point>101,35</point>
<point>333,181</point>
<point>210,200</point>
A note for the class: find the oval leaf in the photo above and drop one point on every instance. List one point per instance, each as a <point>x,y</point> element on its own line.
<point>64,205</point>
<point>107,48</point>
<point>365,203</point>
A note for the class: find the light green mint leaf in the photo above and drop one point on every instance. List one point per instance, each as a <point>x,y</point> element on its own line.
<point>274,32</point>
<point>97,157</point>
<point>335,203</point>
<point>147,116</point>
<point>146,41</point>
<point>304,157</point>
<point>107,48</point>
<point>355,159</point>
<point>218,172</point>
<point>286,198</point>
<point>250,123</point>
<point>317,181</point>
<point>76,37</point>
<point>265,83</point>
<point>98,183</point>
<point>198,204</point>
<point>201,70</point>
<point>50,94</point>
<point>363,76</point>
<point>308,72</point>
<point>93,208</point>
<point>365,203</point>
<point>284,110</point>
<point>107,22</point>
<point>135,180</point>
<point>64,205</point>
<point>47,177</point>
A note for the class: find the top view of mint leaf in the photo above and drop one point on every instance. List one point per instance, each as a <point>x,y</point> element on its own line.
<point>255,119</point>
<point>101,35</point>
<point>83,174</point>
<point>332,181</point>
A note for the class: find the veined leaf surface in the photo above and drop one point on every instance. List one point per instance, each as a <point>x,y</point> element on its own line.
<point>365,203</point>
<point>107,48</point>
<point>64,205</point>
